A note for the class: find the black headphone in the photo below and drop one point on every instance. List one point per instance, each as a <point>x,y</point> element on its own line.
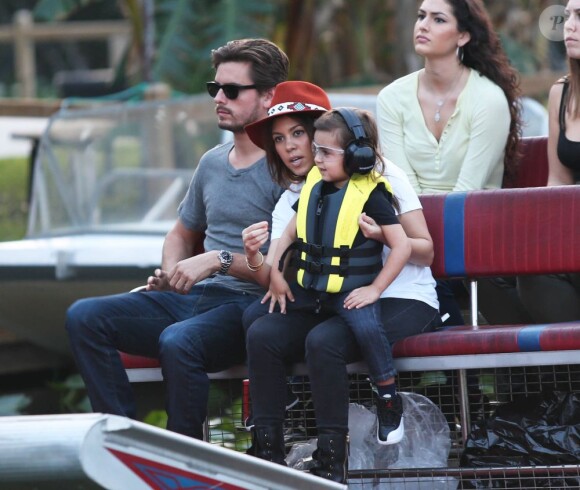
<point>359,155</point>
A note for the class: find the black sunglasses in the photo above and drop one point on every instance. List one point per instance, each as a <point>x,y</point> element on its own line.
<point>231,90</point>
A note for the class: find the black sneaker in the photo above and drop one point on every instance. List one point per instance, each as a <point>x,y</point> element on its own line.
<point>390,427</point>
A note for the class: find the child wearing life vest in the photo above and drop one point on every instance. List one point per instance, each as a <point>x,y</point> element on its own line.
<point>338,269</point>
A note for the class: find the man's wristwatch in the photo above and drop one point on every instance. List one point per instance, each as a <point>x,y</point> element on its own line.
<point>226,258</point>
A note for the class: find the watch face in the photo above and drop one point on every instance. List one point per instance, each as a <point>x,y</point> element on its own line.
<point>226,259</point>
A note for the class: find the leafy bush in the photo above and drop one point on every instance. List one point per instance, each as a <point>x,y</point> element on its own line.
<point>13,198</point>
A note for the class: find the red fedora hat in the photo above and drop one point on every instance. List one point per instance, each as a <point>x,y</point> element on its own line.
<point>290,98</point>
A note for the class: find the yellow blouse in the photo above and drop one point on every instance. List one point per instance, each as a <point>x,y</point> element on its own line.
<point>469,154</point>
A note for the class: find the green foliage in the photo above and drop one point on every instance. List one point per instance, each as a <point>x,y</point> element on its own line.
<point>13,198</point>
<point>50,10</point>
<point>72,395</point>
<point>185,32</point>
<point>224,418</point>
<point>333,44</point>
<point>431,378</point>
<point>487,385</point>
<point>188,31</point>
<point>157,418</point>
<point>224,430</point>
<point>181,60</point>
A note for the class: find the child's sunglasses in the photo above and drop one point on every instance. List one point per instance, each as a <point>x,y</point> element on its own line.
<point>231,90</point>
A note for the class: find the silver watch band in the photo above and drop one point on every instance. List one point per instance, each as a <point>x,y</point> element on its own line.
<point>226,258</point>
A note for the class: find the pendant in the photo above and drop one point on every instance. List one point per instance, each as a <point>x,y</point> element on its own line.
<point>438,111</point>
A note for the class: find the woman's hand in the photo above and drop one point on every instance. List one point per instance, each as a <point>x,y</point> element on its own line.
<point>254,237</point>
<point>416,229</point>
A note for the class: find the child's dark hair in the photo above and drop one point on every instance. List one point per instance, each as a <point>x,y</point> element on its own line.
<point>281,174</point>
<point>333,122</point>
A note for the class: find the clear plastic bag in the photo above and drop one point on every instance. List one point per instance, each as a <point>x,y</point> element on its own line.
<point>426,442</point>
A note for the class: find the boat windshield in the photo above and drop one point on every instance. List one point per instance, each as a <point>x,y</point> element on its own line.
<point>121,167</point>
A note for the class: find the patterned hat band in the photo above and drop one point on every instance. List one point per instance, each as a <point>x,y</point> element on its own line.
<point>293,107</point>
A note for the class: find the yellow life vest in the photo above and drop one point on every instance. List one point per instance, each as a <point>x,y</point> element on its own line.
<point>326,228</point>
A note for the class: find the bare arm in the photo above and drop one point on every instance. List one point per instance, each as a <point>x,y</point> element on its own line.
<point>558,174</point>
<point>180,243</point>
<point>394,236</point>
<point>415,227</point>
<point>279,288</point>
<point>181,269</point>
<point>254,237</point>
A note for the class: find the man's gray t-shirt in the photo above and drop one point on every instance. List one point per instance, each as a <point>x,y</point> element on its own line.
<point>221,201</point>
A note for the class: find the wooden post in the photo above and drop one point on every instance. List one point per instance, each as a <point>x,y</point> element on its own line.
<point>23,33</point>
<point>24,54</point>
<point>160,128</point>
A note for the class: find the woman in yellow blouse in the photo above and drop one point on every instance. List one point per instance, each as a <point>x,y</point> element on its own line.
<point>454,125</point>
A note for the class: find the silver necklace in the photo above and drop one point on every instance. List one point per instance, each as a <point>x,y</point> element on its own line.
<point>441,102</point>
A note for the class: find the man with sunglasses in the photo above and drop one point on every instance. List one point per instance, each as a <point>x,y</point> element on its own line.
<point>190,315</point>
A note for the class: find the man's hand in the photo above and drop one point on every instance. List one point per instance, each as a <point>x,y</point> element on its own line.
<point>158,282</point>
<point>189,272</point>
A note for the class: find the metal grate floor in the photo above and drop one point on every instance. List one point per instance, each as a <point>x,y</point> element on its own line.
<point>488,389</point>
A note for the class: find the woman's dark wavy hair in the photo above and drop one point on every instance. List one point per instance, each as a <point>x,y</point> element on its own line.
<point>281,174</point>
<point>485,54</point>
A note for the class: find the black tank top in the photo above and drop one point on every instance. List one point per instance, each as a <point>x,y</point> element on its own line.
<point>568,151</point>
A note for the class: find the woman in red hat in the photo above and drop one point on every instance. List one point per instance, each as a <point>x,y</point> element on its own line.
<point>286,136</point>
<point>409,306</point>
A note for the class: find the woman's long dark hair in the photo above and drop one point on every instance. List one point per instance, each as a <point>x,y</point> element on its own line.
<point>485,54</point>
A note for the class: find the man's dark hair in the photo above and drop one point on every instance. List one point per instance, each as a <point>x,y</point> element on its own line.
<point>269,64</point>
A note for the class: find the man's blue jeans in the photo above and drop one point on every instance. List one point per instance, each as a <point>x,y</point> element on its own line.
<point>191,334</point>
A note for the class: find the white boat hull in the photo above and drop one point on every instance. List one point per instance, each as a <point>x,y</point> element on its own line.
<point>86,451</point>
<point>41,278</point>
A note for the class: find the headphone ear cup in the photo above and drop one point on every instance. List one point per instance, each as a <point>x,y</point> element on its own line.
<point>359,157</point>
